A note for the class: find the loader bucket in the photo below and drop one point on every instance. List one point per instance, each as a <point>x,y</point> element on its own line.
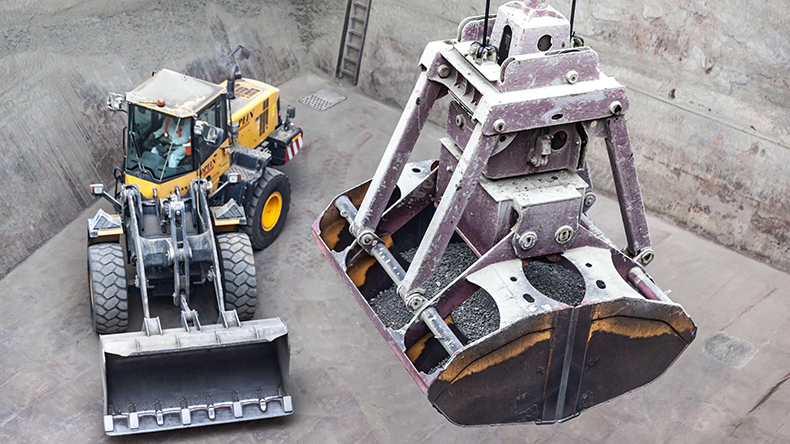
<point>187,379</point>
<point>542,338</point>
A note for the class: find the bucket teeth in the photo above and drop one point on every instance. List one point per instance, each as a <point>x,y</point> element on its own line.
<point>186,415</point>
<point>237,411</point>
<point>160,416</point>
<point>212,414</point>
<point>134,421</point>
<point>134,417</point>
<point>261,400</point>
<point>109,424</point>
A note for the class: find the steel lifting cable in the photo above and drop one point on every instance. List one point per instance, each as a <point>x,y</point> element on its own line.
<point>484,43</point>
<point>573,15</point>
<point>485,24</point>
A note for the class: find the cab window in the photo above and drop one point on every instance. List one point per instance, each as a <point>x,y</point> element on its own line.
<point>160,145</point>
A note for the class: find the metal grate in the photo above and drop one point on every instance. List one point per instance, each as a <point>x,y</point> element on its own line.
<point>245,92</point>
<point>322,100</point>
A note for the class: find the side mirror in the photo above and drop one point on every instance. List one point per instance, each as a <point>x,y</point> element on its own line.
<point>234,72</point>
<point>116,102</point>
<point>290,113</point>
<point>211,134</point>
<point>97,189</point>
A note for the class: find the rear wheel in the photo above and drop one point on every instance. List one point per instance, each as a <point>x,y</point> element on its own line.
<point>238,274</point>
<point>268,208</point>
<point>107,286</point>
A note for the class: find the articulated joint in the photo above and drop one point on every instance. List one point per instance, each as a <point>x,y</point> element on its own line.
<point>415,299</point>
<point>367,238</point>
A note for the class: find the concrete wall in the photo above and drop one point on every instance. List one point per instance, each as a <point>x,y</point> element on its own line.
<point>59,59</point>
<point>708,82</point>
<point>709,88</point>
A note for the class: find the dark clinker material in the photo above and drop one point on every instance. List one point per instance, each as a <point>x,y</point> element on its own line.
<point>457,258</point>
<point>477,316</point>
<point>555,281</point>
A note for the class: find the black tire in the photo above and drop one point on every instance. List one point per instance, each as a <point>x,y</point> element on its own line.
<point>238,274</point>
<point>272,182</point>
<point>107,288</point>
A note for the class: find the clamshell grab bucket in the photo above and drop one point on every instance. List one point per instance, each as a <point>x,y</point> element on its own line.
<point>543,358</point>
<point>187,379</point>
<point>481,269</point>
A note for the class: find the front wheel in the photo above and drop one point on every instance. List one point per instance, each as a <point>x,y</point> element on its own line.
<point>238,274</point>
<point>268,208</point>
<point>107,286</point>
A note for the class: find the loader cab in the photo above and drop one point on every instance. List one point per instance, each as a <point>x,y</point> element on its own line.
<point>158,159</point>
<point>176,127</point>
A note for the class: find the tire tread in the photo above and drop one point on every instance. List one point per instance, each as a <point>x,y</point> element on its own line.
<point>110,298</point>
<point>238,274</point>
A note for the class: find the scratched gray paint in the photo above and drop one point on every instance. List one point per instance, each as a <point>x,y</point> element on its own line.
<point>708,84</point>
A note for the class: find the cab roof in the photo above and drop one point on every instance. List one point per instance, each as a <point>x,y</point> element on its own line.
<point>184,96</point>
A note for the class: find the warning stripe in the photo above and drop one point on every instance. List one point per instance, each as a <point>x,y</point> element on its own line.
<point>293,148</point>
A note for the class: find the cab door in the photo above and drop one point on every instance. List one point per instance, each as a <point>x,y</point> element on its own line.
<point>213,162</point>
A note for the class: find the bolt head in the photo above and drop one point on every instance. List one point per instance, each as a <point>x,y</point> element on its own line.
<point>572,77</point>
<point>589,200</point>
<point>459,120</point>
<point>415,301</point>
<point>616,107</point>
<point>646,256</point>
<point>563,234</point>
<point>366,239</point>
<point>528,240</point>
<point>443,71</point>
<point>499,125</point>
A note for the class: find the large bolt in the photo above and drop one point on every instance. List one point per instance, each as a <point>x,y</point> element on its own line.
<point>527,240</point>
<point>459,120</point>
<point>443,71</point>
<point>589,200</point>
<point>572,77</point>
<point>563,234</point>
<point>645,256</point>
<point>367,238</point>
<point>415,300</point>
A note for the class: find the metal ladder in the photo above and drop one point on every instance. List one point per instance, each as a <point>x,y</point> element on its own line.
<point>357,14</point>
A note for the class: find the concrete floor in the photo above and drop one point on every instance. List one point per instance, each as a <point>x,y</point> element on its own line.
<point>346,383</point>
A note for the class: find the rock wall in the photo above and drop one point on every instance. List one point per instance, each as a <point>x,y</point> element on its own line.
<point>59,59</point>
<point>709,84</point>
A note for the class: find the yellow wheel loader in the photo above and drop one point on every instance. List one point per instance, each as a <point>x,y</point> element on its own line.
<point>196,194</point>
